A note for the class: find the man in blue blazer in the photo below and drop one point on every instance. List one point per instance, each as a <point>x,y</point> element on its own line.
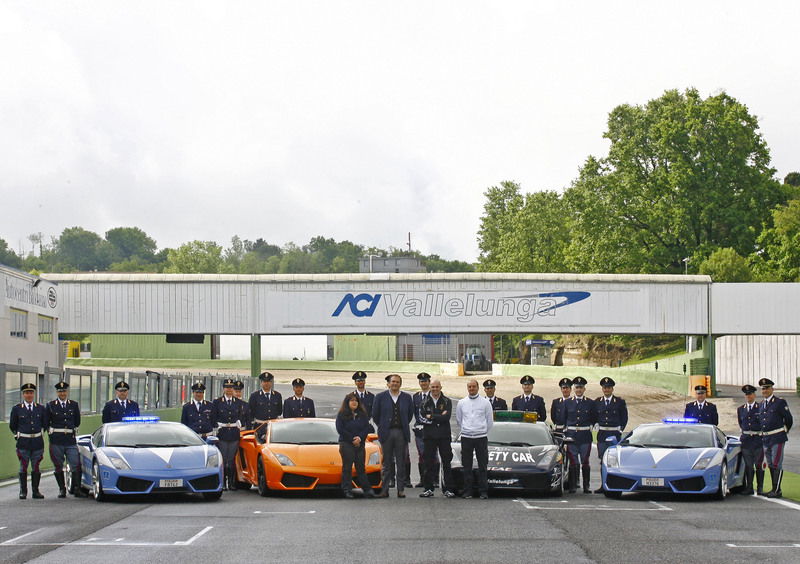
<point>392,412</point>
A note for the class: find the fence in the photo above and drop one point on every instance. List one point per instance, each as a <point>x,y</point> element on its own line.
<point>93,388</point>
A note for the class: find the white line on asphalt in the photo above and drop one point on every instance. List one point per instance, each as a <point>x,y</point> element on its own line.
<point>284,512</point>
<point>783,502</point>
<point>194,538</point>
<point>91,541</point>
<point>658,507</point>
<point>11,541</point>
<point>763,545</point>
<point>1,528</point>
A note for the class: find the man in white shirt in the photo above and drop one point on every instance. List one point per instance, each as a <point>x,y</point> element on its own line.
<point>475,418</point>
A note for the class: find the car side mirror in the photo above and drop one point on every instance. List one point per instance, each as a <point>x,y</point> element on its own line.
<point>85,442</point>
<point>212,440</point>
<point>733,442</point>
<point>568,440</point>
<point>612,440</point>
<point>372,437</point>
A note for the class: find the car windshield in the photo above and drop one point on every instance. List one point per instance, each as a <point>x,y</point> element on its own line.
<point>308,432</point>
<point>151,435</point>
<point>519,434</point>
<point>671,436</point>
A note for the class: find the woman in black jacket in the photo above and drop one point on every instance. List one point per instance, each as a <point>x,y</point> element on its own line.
<point>353,426</point>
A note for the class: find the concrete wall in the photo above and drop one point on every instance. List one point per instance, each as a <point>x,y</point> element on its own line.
<point>146,346</point>
<point>275,347</point>
<point>744,359</point>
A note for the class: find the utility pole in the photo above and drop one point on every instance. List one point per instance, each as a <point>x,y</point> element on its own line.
<point>409,242</point>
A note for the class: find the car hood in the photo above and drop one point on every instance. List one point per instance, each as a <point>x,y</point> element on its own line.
<point>663,458</point>
<point>158,458</point>
<point>313,455</point>
<point>512,456</point>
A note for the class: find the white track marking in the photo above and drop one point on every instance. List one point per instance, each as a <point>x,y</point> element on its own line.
<point>789,504</point>
<point>194,538</point>
<point>11,541</point>
<point>98,541</point>
<point>284,512</point>
<point>586,507</point>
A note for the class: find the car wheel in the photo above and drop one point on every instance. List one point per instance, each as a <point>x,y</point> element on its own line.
<point>722,491</point>
<point>263,489</point>
<point>97,487</point>
<point>212,496</point>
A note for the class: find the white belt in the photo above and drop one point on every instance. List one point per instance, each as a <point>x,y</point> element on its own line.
<point>609,429</point>
<point>773,432</point>
<point>29,435</point>
<point>51,430</point>
<point>237,424</point>
<point>260,420</point>
<point>751,432</point>
<point>587,428</point>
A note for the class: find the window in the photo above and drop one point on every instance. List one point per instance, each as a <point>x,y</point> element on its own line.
<point>45,329</point>
<point>19,323</point>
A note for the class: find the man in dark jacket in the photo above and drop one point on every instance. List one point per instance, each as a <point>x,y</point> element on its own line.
<point>392,412</point>
<point>27,422</point>
<point>435,413</point>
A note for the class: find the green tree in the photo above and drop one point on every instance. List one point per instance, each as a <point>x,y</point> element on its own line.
<point>130,244</point>
<point>195,257</point>
<point>792,179</point>
<point>503,204</point>
<point>726,265</point>
<point>79,249</point>
<point>8,256</point>
<point>778,256</point>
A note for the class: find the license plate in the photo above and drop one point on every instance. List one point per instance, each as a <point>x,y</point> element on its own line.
<point>170,483</point>
<point>653,482</point>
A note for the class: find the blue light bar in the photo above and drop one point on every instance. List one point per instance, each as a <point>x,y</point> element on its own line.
<point>141,419</point>
<point>673,420</point>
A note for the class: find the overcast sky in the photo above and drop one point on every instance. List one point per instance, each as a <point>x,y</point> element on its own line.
<point>354,120</point>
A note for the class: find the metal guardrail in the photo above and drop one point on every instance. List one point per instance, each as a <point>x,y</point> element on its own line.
<point>93,388</point>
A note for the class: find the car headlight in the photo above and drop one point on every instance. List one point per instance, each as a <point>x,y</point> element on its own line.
<point>283,460</point>
<point>547,459</point>
<point>118,463</point>
<point>374,458</point>
<point>612,458</point>
<point>708,461</point>
<point>212,461</point>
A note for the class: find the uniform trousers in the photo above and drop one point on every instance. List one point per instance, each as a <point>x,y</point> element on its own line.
<point>395,451</point>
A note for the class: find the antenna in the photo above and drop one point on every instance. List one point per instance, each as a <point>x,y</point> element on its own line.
<point>409,242</point>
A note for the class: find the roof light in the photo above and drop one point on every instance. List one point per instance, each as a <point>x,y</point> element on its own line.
<point>519,416</point>
<point>141,419</point>
<point>684,420</point>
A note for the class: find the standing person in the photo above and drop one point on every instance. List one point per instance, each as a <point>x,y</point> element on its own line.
<point>198,413</point>
<point>776,420</point>
<point>265,404</point>
<point>352,423</point>
<point>581,415</point>
<point>120,406</point>
<point>700,409</point>
<point>752,448</point>
<point>612,418</point>
<point>419,398</point>
<point>27,422</point>
<point>63,420</point>
<point>238,393</point>
<point>298,405</point>
<point>436,411</point>
<point>366,397</point>
<point>498,404</point>
<point>229,417</point>
<point>558,411</point>
<point>392,412</point>
<point>529,401</point>
<point>475,418</point>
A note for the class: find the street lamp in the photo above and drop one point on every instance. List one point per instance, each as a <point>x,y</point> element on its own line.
<point>370,261</point>
<point>686,265</point>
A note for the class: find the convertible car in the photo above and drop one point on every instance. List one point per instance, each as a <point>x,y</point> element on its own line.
<point>678,456</point>
<point>524,455</point>
<point>142,455</point>
<point>298,454</point>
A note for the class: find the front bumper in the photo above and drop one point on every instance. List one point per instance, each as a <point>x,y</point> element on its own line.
<point>675,481</point>
<point>533,479</point>
<point>132,482</point>
<point>306,478</point>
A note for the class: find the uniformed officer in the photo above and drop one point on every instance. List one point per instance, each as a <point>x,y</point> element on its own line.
<point>27,423</point>
<point>63,420</point>
<point>581,415</point>
<point>612,417</point>
<point>700,409</point>
<point>776,420</point>
<point>366,397</point>
<point>558,412</point>
<point>529,401</point>
<point>230,417</point>
<point>198,414</point>
<point>298,405</point>
<point>498,404</point>
<point>238,392</point>
<point>424,380</point>
<point>752,449</point>
<point>266,403</point>
<point>120,406</point>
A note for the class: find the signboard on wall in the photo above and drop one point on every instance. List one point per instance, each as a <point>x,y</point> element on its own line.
<point>29,293</point>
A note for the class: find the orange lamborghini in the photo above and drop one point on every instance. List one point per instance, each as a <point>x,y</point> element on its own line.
<point>299,454</point>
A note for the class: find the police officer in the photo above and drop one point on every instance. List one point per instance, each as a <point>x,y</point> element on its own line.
<point>230,417</point>
<point>238,392</point>
<point>529,401</point>
<point>752,449</point>
<point>120,406</point>
<point>776,420</point>
<point>700,409</point>
<point>267,403</point>
<point>581,415</point>
<point>27,422</point>
<point>436,411</point>
<point>558,413</point>
<point>63,420</point>
<point>498,404</point>
<point>424,380</point>
<point>366,397</point>
<point>298,405</point>
<point>612,417</point>
<point>198,414</point>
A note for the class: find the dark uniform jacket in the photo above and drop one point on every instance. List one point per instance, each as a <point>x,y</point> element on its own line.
<point>265,406</point>
<point>558,413</point>
<point>438,426</point>
<point>349,428</point>
<point>113,411</point>
<point>201,420</point>
<point>417,400</point>
<point>706,414</point>
<point>533,403</point>
<point>615,414</point>
<point>366,400</point>
<point>581,414</point>
<point>29,422</point>
<point>750,424</point>
<point>498,404</point>
<point>60,418</point>
<point>226,415</point>
<point>382,411</point>
<point>776,420</point>
<point>299,407</point>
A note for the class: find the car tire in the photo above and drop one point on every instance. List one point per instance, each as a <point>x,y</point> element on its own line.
<point>97,487</point>
<point>263,488</point>
<point>212,496</point>
<point>722,491</point>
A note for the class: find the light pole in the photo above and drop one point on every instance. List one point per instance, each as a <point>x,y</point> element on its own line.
<point>370,262</point>
<point>686,265</point>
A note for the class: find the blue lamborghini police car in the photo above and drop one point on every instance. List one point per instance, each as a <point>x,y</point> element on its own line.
<point>142,455</point>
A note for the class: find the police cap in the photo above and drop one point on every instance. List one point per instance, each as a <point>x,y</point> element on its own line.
<point>579,381</point>
<point>606,382</point>
<point>238,385</point>
<point>298,382</point>
<point>700,388</point>
<point>359,375</point>
<point>61,386</point>
<point>565,383</point>
<point>27,386</point>
<point>527,380</point>
<point>229,383</point>
<point>766,383</point>
<point>122,386</point>
<point>266,377</point>
<point>489,384</point>
<point>748,389</point>
<point>198,387</point>
<point>423,376</point>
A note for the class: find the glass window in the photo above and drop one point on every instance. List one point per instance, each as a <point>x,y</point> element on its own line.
<point>19,323</point>
<point>304,432</point>
<point>45,329</point>
<point>151,435</point>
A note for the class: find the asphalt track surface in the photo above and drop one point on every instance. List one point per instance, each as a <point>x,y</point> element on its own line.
<point>244,527</point>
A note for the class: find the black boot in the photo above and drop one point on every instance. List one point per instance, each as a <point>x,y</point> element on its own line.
<point>586,474</point>
<point>232,480</point>
<point>35,477</point>
<point>76,489</point>
<point>437,467</point>
<point>572,479</point>
<point>23,485</point>
<point>760,481</point>
<point>421,468</point>
<point>225,479</point>
<point>776,475</point>
<point>748,481</point>
<point>407,479</point>
<point>62,488</point>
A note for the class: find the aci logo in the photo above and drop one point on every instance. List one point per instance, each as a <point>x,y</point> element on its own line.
<point>355,308</point>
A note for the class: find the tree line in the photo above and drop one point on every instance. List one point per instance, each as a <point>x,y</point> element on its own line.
<point>686,187</point>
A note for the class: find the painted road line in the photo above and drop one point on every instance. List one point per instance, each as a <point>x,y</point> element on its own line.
<point>584,507</point>
<point>194,538</point>
<point>284,512</point>
<point>789,504</point>
<point>11,541</point>
<point>763,545</point>
<point>98,541</point>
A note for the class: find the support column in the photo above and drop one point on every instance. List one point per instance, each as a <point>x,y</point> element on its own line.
<point>255,355</point>
<point>712,363</point>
